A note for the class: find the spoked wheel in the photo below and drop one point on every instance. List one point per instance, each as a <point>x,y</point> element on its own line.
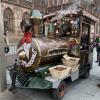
<point>60,91</point>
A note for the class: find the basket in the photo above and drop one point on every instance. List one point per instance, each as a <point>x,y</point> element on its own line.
<point>73,69</point>
<point>58,74</point>
<point>70,61</point>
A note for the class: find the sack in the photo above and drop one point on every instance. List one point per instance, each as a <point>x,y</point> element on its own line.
<point>6,49</point>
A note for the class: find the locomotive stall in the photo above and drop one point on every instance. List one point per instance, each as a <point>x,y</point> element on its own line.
<point>69,35</point>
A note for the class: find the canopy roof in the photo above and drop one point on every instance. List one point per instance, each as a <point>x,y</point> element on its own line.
<point>36,14</point>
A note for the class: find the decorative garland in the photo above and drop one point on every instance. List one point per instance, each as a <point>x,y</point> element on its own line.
<point>31,61</point>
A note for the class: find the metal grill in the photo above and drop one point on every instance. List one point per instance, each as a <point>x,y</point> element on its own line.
<point>23,79</point>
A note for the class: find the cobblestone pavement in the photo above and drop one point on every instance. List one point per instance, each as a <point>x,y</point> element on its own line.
<point>82,89</point>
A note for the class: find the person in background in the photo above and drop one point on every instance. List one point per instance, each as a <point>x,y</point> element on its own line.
<point>6,48</point>
<point>99,52</point>
<point>47,23</point>
<point>97,49</point>
<point>5,38</point>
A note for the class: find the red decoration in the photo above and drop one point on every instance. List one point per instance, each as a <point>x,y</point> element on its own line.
<point>26,38</point>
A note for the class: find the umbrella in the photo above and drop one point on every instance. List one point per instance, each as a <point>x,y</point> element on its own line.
<point>36,14</point>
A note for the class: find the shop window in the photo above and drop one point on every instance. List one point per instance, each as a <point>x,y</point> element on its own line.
<point>85,36</point>
<point>70,27</point>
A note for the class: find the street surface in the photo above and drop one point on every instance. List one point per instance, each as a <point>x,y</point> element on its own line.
<point>82,89</point>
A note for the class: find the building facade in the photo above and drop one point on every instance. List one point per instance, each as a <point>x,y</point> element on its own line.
<point>91,7</point>
<point>13,12</point>
<point>16,10</point>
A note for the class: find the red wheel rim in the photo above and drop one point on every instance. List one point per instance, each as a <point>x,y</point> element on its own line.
<point>62,89</point>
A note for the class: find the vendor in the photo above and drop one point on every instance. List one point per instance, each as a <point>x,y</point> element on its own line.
<point>73,47</point>
<point>47,24</point>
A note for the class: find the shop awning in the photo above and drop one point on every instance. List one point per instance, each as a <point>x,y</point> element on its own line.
<point>87,14</point>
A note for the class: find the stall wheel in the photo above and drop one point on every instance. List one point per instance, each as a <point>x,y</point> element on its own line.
<point>60,91</point>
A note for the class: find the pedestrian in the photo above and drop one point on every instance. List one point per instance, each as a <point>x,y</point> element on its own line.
<point>97,49</point>
<point>6,48</point>
<point>98,85</point>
